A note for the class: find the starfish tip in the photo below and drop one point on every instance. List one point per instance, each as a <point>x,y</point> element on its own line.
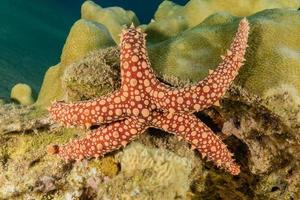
<point>132,25</point>
<point>53,149</point>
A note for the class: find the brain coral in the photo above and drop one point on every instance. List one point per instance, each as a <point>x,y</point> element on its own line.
<point>152,174</point>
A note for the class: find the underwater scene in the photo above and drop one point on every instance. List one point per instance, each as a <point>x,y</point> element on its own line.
<point>150,100</point>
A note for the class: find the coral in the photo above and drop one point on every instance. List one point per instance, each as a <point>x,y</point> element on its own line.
<point>190,54</point>
<point>84,36</point>
<point>171,19</point>
<point>107,166</point>
<point>96,74</point>
<point>22,93</point>
<point>150,174</point>
<point>51,87</point>
<point>114,18</point>
<point>280,67</point>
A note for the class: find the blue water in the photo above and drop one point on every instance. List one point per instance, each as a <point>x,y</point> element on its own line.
<point>32,34</point>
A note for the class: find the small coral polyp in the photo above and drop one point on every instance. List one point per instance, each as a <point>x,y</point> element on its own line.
<point>143,101</point>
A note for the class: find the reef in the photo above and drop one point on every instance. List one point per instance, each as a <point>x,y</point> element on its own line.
<point>258,117</point>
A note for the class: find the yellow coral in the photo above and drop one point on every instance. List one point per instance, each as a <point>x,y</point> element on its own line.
<point>113,18</point>
<point>160,169</point>
<point>106,165</point>
<point>22,93</point>
<point>84,37</point>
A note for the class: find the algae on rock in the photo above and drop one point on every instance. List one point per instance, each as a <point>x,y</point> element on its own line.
<point>96,74</point>
<point>271,137</point>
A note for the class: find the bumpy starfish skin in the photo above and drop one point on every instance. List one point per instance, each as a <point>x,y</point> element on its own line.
<point>191,129</point>
<point>208,91</point>
<point>102,140</point>
<point>142,101</point>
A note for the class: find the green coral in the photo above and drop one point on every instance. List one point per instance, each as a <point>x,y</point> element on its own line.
<point>22,93</point>
<point>197,47</point>
<point>84,36</point>
<point>270,61</point>
<point>94,31</point>
<point>171,19</point>
<point>51,87</point>
<point>114,18</point>
<point>192,53</point>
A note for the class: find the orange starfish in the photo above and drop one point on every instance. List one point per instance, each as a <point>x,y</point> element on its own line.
<point>142,101</point>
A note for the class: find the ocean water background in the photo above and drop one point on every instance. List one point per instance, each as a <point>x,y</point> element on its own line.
<point>32,34</point>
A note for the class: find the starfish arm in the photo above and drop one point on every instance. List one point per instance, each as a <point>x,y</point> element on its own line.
<point>208,91</point>
<point>102,110</point>
<point>196,133</point>
<point>101,141</point>
<point>136,69</point>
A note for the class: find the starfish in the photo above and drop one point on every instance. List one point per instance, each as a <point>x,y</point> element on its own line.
<point>143,101</point>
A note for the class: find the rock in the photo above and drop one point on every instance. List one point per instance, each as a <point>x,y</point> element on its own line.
<point>270,135</point>
<point>22,93</point>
